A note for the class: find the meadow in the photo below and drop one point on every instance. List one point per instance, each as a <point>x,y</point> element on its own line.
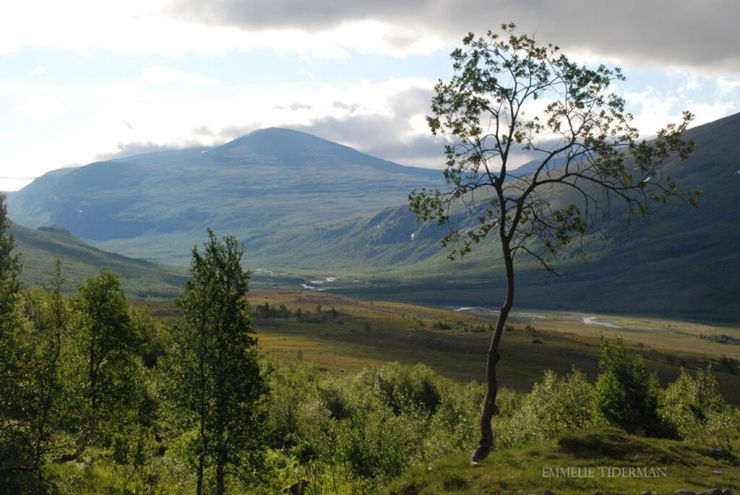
<point>453,343</point>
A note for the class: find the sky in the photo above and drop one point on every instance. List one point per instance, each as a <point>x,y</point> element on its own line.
<point>86,80</point>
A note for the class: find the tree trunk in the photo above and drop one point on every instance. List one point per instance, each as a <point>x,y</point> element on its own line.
<point>202,411</point>
<point>485,444</point>
<point>220,455</point>
<point>220,466</point>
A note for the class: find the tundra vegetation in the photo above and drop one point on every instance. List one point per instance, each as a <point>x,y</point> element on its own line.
<point>100,397</point>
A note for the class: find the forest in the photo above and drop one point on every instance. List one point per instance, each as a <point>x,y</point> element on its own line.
<point>99,396</point>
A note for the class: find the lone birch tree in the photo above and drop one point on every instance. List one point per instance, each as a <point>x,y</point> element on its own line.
<point>509,94</point>
<point>215,364</point>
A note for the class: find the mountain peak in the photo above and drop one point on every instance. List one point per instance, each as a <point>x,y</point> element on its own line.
<point>282,143</point>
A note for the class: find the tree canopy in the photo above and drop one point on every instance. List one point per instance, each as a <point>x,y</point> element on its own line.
<point>510,95</point>
<point>215,363</point>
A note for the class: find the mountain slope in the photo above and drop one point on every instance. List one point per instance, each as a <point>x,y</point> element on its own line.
<point>303,204</point>
<point>678,261</point>
<point>156,206</point>
<point>39,249</point>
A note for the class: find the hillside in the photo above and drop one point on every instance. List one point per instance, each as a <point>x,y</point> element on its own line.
<point>678,261</point>
<point>156,206</point>
<point>306,207</point>
<point>40,248</point>
<point>595,460</point>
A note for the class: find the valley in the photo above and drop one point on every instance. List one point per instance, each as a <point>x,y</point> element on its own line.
<point>343,335</point>
<point>344,248</point>
<point>306,208</point>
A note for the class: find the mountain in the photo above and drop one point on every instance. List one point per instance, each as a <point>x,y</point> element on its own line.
<point>156,206</point>
<point>678,261</point>
<point>306,206</point>
<point>40,248</point>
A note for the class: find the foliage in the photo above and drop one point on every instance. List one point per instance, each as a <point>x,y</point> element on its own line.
<point>108,345</point>
<point>214,364</point>
<point>266,311</point>
<point>626,395</point>
<point>9,265</point>
<point>554,405</point>
<point>404,389</point>
<point>584,144</point>
<point>697,409</point>
<point>583,140</point>
<point>342,432</point>
<point>19,462</point>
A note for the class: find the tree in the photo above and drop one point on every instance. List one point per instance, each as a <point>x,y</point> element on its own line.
<point>15,460</point>
<point>508,94</point>
<point>109,344</point>
<point>626,395</point>
<point>45,316</point>
<point>215,361</point>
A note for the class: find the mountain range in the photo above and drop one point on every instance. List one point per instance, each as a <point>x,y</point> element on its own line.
<point>273,181</point>
<point>306,206</point>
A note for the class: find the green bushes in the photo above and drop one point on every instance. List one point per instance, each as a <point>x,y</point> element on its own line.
<point>698,411</point>
<point>625,395</point>
<point>368,427</point>
<point>404,389</point>
<point>555,404</point>
<point>363,429</point>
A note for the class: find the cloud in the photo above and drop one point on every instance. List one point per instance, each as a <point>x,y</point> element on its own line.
<point>167,75</point>
<point>699,34</point>
<point>659,32</point>
<point>131,149</point>
<point>388,137</point>
<point>41,107</point>
<point>395,129</point>
<point>316,15</point>
<point>725,86</point>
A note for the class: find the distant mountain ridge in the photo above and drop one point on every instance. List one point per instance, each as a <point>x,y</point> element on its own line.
<point>305,205</point>
<point>156,206</point>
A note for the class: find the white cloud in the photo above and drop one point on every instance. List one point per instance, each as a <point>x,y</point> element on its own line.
<point>691,84</point>
<point>38,70</point>
<point>166,75</point>
<point>726,85</point>
<point>43,108</point>
<point>658,108</point>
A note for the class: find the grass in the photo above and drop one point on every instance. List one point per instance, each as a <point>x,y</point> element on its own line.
<point>370,333</point>
<point>597,459</point>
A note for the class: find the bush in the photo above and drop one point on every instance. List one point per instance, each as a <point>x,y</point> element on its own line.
<point>626,396</point>
<point>377,444</point>
<point>555,404</point>
<point>697,410</point>
<point>404,389</point>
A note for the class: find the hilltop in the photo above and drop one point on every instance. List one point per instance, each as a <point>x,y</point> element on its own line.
<point>156,206</point>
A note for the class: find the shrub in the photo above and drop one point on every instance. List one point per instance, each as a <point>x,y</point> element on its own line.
<point>404,389</point>
<point>376,444</point>
<point>555,404</point>
<point>697,410</point>
<point>626,396</point>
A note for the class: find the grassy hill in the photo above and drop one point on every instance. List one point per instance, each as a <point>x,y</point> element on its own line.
<point>593,460</point>
<point>40,248</point>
